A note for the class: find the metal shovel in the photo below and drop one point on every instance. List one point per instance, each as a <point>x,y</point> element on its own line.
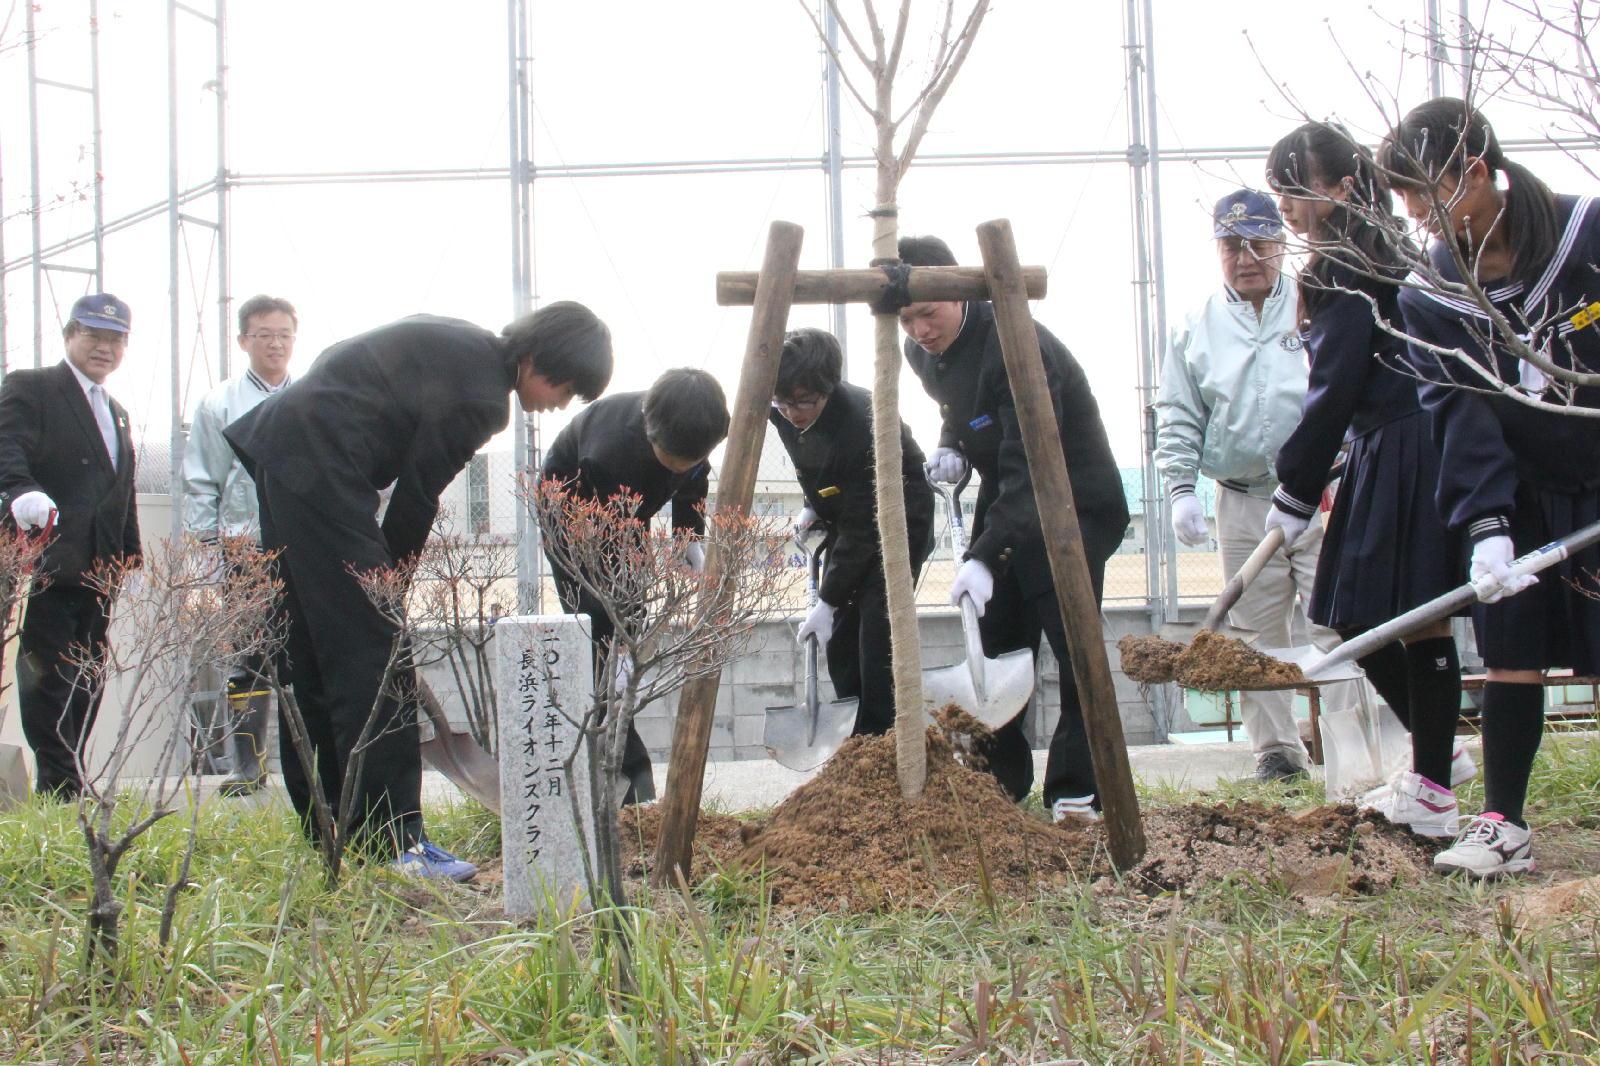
<point>804,736</point>
<point>457,755</point>
<point>994,691</point>
<point>1338,664</point>
<point>1183,632</point>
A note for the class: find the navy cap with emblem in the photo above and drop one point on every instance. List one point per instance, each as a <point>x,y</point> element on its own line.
<point>102,311</point>
<point>1248,214</point>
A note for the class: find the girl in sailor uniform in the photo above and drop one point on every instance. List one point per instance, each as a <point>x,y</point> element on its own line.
<point>1385,549</point>
<point>1515,476</point>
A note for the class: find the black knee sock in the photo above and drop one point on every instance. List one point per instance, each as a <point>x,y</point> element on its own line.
<point>1513,725</point>
<point>1389,673</point>
<point>1435,706</point>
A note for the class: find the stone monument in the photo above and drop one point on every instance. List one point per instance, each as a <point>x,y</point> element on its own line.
<point>544,680</point>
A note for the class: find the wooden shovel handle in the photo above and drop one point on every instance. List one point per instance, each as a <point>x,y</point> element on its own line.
<point>1241,580</point>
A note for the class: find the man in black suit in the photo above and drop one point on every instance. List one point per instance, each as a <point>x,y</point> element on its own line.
<point>65,450</point>
<point>406,404</point>
<point>954,348</point>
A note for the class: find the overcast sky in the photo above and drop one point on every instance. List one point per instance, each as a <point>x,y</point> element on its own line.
<point>336,86</point>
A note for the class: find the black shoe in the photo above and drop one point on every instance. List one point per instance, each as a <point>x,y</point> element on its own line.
<point>1276,766</point>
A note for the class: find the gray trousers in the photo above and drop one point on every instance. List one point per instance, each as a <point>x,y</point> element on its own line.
<point>1274,607</point>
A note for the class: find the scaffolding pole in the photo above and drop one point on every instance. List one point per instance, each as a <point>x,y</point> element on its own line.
<point>525,432</point>
<point>834,162</point>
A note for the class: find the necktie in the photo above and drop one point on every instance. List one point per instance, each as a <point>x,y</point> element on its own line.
<point>102,414</point>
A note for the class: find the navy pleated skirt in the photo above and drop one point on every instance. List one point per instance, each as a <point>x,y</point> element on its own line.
<point>1386,550</point>
<point>1556,623</point>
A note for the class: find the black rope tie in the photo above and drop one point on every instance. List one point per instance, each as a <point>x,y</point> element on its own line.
<point>897,292</point>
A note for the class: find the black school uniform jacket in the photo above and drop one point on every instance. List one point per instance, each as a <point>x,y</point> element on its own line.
<point>50,443</point>
<point>1358,383</point>
<point>1491,443</point>
<point>974,395</point>
<point>604,451</point>
<point>833,460</point>
<point>409,403</point>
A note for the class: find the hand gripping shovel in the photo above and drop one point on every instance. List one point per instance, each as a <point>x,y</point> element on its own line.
<point>457,755</point>
<point>1183,632</point>
<point>1336,664</point>
<point>994,691</point>
<point>804,736</point>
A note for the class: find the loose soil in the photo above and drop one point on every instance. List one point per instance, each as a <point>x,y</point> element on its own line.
<point>846,841</point>
<point>1149,660</point>
<point>1215,663</point>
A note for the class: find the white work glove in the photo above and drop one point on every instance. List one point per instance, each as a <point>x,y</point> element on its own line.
<point>947,465</point>
<point>818,623</point>
<point>1491,570</point>
<point>1291,524</point>
<point>32,510</point>
<point>803,522</point>
<point>1189,520</point>
<point>975,580</point>
<point>695,556</point>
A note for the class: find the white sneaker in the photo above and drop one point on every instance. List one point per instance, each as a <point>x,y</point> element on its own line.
<point>1417,803</point>
<point>1462,768</point>
<point>1488,847</point>
<point>1074,809</point>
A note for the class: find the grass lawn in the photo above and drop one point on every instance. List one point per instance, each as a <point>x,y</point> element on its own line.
<point>267,965</point>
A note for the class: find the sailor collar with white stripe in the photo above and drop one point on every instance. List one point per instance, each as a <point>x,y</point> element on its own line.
<point>255,379</point>
<point>1445,264</point>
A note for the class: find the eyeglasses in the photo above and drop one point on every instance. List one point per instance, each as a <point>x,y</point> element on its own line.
<point>799,406</point>
<point>267,337</point>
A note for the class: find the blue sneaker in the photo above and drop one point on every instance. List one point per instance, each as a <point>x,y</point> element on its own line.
<point>427,860</point>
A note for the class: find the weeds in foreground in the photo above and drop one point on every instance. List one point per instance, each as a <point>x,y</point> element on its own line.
<point>267,964</point>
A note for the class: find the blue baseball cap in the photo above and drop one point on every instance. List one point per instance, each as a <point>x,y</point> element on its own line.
<point>1248,214</point>
<point>102,311</point>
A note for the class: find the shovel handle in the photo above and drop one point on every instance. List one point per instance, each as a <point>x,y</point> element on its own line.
<point>1240,581</point>
<point>1452,601</point>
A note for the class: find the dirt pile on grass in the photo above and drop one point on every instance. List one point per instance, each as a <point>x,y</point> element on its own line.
<point>1215,663</point>
<point>1322,851</point>
<point>1149,660</point>
<point>717,839</point>
<point>846,840</point>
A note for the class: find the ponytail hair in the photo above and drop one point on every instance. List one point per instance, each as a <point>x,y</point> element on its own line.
<point>1352,235</point>
<point>1439,139</point>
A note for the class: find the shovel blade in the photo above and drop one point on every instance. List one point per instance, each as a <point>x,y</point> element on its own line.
<point>1008,685</point>
<point>789,738</point>
<point>1305,656</point>
<point>470,768</point>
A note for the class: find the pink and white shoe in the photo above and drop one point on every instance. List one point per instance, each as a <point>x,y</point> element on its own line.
<point>1417,803</point>
<point>1462,768</point>
<point>1489,846</point>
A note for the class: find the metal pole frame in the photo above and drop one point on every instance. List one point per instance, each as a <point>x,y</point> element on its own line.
<point>525,430</point>
<point>833,161</point>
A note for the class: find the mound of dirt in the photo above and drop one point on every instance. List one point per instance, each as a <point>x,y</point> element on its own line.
<point>846,840</point>
<point>717,839</point>
<point>1149,660</point>
<point>1215,663</point>
<point>1323,851</point>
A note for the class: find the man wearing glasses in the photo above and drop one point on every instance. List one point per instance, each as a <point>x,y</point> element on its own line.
<point>219,501</point>
<point>825,425</point>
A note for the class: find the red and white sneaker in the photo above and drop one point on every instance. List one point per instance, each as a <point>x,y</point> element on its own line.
<point>1489,846</point>
<point>1417,803</point>
<point>1462,768</point>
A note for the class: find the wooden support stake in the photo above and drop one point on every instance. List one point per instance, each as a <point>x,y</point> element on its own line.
<point>1041,439</point>
<point>738,288</point>
<point>691,736</point>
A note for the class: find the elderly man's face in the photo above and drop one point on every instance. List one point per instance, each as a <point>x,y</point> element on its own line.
<point>1250,267</point>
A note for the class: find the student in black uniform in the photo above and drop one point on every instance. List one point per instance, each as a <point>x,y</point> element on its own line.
<point>954,348</point>
<point>1514,477</point>
<point>1385,549</point>
<point>655,445</point>
<point>406,404</point>
<point>826,427</point>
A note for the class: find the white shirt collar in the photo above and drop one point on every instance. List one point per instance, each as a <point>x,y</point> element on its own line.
<point>83,379</point>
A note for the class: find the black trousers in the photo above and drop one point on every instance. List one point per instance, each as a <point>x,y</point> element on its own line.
<point>636,765</point>
<point>859,655</point>
<point>1016,619</point>
<point>58,699</point>
<point>339,645</point>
